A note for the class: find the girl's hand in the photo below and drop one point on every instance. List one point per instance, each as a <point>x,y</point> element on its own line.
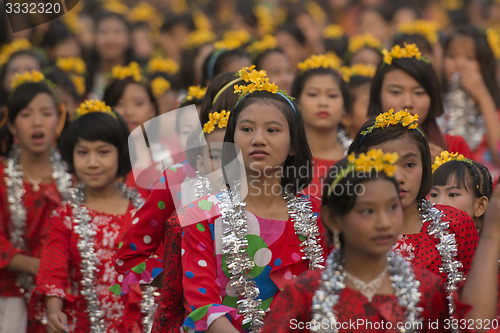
<point>57,322</point>
<point>473,82</point>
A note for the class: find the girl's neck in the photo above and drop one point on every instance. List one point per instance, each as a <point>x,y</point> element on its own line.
<point>108,199</point>
<point>325,144</point>
<point>412,222</point>
<point>105,65</point>
<point>36,165</point>
<point>106,192</point>
<point>265,198</point>
<point>364,267</point>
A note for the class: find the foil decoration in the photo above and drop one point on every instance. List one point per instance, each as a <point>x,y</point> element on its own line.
<point>235,245</point>
<point>461,115</point>
<point>86,230</point>
<point>344,139</point>
<point>333,278</point>
<point>201,185</point>
<point>15,193</point>
<point>447,248</point>
<point>148,307</point>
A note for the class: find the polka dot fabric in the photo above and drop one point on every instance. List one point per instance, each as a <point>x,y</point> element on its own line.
<point>420,249</point>
<point>272,244</point>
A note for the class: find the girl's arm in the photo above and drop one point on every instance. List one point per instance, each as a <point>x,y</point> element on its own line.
<point>480,290</point>
<point>24,263</point>
<point>222,325</point>
<point>57,320</point>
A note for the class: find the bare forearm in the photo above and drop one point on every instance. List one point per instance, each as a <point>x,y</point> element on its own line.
<point>24,263</point>
<point>222,325</point>
<point>54,304</point>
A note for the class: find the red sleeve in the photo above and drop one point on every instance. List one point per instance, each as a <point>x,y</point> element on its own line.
<point>457,144</point>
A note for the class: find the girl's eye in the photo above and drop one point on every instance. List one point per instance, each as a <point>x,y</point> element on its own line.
<point>333,95</point>
<point>366,211</point>
<point>81,152</point>
<point>433,195</point>
<point>216,157</point>
<point>420,93</point>
<point>410,165</point>
<point>312,94</point>
<point>394,207</point>
<point>395,92</point>
<point>246,129</point>
<point>273,130</point>
<point>453,195</point>
<point>24,114</point>
<point>104,152</point>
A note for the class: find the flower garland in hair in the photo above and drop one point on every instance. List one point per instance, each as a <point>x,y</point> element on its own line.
<point>357,42</point>
<point>144,12</point>
<point>398,52</point>
<point>390,117</point>
<point>233,39</point>
<point>428,29</point>
<point>216,119</point>
<point>235,248</point>
<point>333,31</point>
<point>333,277</point>
<point>373,160</point>
<point>16,45</point>
<point>75,67</point>
<point>86,232</point>
<point>199,37</point>
<point>195,92</point>
<point>268,42</point>
<point>160,86</point>
<point>92,106</point>
<point>122,72</point>
<point>15,193</point>
<point>32,76</point>
<point>161,65</point>
<point>363,70</point>
<point>328,60</point>
<point>446,156</point>
<point>494,42</point>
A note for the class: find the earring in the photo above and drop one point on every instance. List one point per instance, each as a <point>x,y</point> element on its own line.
<point>336,240</point>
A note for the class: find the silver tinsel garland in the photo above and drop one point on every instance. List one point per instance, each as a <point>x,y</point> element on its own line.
<point>333,282</point>
<point>235,245</point>
<point>15,193</point>
<point>86,246</point>
<point>447,248</point>
<point>201,185</point>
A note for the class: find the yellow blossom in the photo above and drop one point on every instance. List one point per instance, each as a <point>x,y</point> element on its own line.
<point>358,42</point>
<point>122,72</point>
<point>494,42</point>
<point>446,156</point>
<point>333,31</point>
<point>199,37</point>
<point>233,39</point>
<point>72,65</point>
<point>26,77</point>
<point>160,86</point>
<point>79,83</point>
<point>216,119</point>
<point>363,70</point>
<point>195,92</point>
<point>266,43</point>
<point>329,60</point>
<point>144,12</point>
<point>92,106</point>
<point>425,28</point>
<point>162,65</point>
<point>16,45</point>
<point>398,52</point>
<point>389,118</point>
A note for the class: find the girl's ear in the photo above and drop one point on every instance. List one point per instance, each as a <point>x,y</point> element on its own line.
<point>330,221</point>
<point>199,164</point>
<point>480,205</point>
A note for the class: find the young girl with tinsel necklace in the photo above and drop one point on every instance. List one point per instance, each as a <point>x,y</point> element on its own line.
<point>76,268</point>
<point>238,253</point>
<point>322,96</point>
<point>441,239</point>
<point>33,182</point>
<point>461,183</point>
<point>407,81</point>
<point>365,286</point>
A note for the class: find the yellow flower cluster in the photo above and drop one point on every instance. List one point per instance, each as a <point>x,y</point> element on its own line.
<point>328,60</point>
<point>199,37</point>
<point>315,10</point>
<point>79,83</point>
<point>333,31</point>
<point>428,29</point>
<point>201,21</point>
<point>233,39</point>
<point>160,86</point>
<point>93,105</point>
<point>72,65</point>
<point>357,70</point>
<point>115,6</point>
<point>390,117</point>
<point>259,81</point>
<point>195,92</point>
<point>162,65</point>
<point>358,42</point>
<point>494,42</point>
<point>446,156</point>
<point>122,72</point>
<point>398,52</point>
<point>265,19</point>
<point>260,46</point>
<point>144,12</point>
<point>374,160</point>
<point>216,119</point>
<point>13,47</point>
<point>26,77</point>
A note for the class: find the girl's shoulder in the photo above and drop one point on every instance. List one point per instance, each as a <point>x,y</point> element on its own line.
<point>454,216</point>
<point>205,210</point>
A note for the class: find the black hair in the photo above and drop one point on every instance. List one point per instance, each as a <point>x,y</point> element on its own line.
<point>349,55</point>
<point>354,83</point>
<point>302,77</point>
<point>217,61</point>
<point>98,126</point>
<point>337,45</point>
<point>114,91</point>
<point>58,32</point>
<point>63,81</point>
<point>484,57</point>
<point>362,143</point>
<point>173,20</point>
<point>340,204</point>
<point>422,72</point>
<point>259,58</point>
<point>473,176</point>
<point>302,160</point>
<point>187,69</point>
<point>294,31</point>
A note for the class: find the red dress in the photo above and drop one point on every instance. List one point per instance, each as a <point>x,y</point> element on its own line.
<point>320,172</point>
<point>292,309</point>
<point>39,205</point>
<point>420,249</point>
<point>457,144</point>
<point>60,272</point>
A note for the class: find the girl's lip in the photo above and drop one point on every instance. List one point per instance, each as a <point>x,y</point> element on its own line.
<point>323,114</point>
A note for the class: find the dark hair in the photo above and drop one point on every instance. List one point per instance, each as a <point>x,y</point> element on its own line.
<point>173,20</point>
<point>423,44</point>
<point>301,79</point>
<point>114,91</point>
<point>290,182</point>
<point>425,75</point>
<point>99,126</point>
<point>217,61</point>
<point>259,58</point>
<point>354,83</point>
<point>473,176</point>
<point>63,81</point>
<point>186,73</point>
<point>294,31</point>
<point>362,143</point>
<point>58,32</point>
<point>337,45</point>
<point>341,204</point>
<point>349,55</point>
<point>484,57</point>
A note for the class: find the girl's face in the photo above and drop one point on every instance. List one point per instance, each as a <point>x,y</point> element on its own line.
<point>19,64</point>
<point>96,163</point>
<point>210,163</point>
<point>67,48</point>
<point>454,196</point>
<point>167,102</point>
<point>112,39</point>
<point>295,52</point>
<point>352,122</point>
<point>410,167</point>
<point>321,102</point>
<point>375,222</point>
<point>135,106</point>
<point>35,126</point>
<point>366,56</point>
<point>402,92</point>
<point>278,69</point>
<point>460,56</point>
<point>263,135</point>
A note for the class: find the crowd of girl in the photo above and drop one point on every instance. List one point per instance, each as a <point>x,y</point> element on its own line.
<point>340,181</point>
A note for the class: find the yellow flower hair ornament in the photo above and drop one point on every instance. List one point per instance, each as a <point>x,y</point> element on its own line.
<point>373,161</point>
<point>446,156</point>
<point>390,118</point>
<point>160,86</point>
<point>428,29</point>
<point>71,65</point>
<point>494,42</point>
<point>199,37</point>
<point>398,52</point>
<point>333,31</point>
<point>358,70</point>
<point>357,42</point>
<point>195,92</point>
<point>27,77</point>
<point>233,39</point>
<point>267,43</point>
<point>15,46</point>
<point>328,60</point>
<point>162,65</point>
<point>122,72</point>
<point>93,106</point>
<point>216,119</point>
